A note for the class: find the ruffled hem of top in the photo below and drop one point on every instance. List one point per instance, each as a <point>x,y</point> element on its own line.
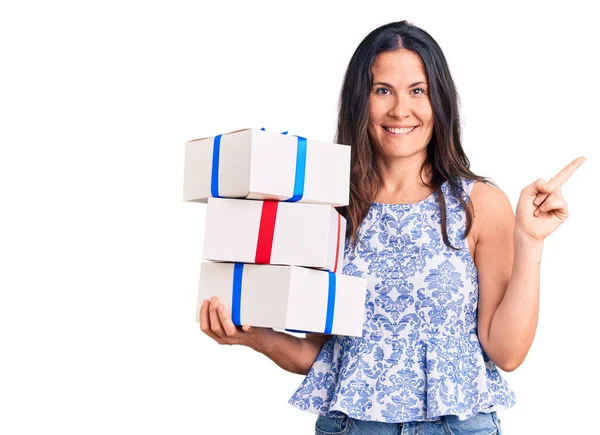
<point>458,379</point>
<point>339,412</point>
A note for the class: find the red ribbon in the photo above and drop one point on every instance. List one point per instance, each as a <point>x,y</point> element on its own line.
<point>337,246</point>
<point>264,245</point>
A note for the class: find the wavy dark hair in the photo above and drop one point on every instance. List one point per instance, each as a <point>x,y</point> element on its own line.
<point>446,159</point>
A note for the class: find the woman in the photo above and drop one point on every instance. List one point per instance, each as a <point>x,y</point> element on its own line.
<point>453,274</point>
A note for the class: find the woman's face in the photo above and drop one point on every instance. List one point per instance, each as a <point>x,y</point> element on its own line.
<point>400,113</point>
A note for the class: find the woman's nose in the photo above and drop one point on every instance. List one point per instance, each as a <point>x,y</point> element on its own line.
<point>400,107</point>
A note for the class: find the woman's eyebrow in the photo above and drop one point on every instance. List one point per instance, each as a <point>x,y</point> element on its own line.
<point>390,86</point>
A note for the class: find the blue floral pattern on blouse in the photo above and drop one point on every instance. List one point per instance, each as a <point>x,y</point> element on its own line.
<point>419,357</point>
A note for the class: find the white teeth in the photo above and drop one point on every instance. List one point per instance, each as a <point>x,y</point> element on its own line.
<point>400,130</point>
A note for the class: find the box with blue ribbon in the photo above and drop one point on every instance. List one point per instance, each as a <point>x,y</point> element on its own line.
<point>272,232</point>
<point>257,164</point>
<point>286,297</point>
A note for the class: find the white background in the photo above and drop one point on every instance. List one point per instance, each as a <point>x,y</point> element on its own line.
<point>99,255</point>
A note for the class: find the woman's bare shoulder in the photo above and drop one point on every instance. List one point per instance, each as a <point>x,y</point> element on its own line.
<point>491,208</point>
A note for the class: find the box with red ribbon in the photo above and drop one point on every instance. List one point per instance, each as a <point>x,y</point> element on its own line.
<point>271,232</point>
<point>294,298</point>
<point>256,164</point>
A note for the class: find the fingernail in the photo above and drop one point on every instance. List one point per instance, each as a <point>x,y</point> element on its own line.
<point>536,213</point>
<point>222,308</point>
<point>537,201</point>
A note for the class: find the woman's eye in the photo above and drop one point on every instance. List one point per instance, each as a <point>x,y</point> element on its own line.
<point>382,91</point>
<point>422,91</point>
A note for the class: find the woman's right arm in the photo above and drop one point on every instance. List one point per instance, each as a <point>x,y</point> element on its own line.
<point>291,353</point>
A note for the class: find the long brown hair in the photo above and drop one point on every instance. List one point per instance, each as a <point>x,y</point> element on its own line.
<point>446,159</point>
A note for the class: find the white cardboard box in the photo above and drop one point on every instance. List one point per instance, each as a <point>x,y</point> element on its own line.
<point>256,164</point>
<point>286,297</point>
<point>270,232</point>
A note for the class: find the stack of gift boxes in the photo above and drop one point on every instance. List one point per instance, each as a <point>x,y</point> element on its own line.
<point>273,241</point>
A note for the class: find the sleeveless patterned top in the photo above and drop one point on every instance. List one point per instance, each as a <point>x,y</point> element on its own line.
<point>419,356</point>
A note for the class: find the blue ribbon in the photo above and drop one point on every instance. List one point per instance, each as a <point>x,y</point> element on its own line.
<point>300,171</point>
<point>214,181</point>
<point>283,132</point>
<point>236,298</point>
<point>330,303</point>
<point>298,180</point>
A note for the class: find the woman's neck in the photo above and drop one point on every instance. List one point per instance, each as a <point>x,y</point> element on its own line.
<point>403,181</point>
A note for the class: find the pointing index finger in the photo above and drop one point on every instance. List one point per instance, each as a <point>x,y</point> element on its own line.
<point>560,178</point>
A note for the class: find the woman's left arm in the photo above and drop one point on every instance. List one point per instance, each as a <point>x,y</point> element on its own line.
<point>508,252</point>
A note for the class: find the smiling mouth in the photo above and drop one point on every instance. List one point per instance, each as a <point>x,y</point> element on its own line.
<point>399,131</point>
